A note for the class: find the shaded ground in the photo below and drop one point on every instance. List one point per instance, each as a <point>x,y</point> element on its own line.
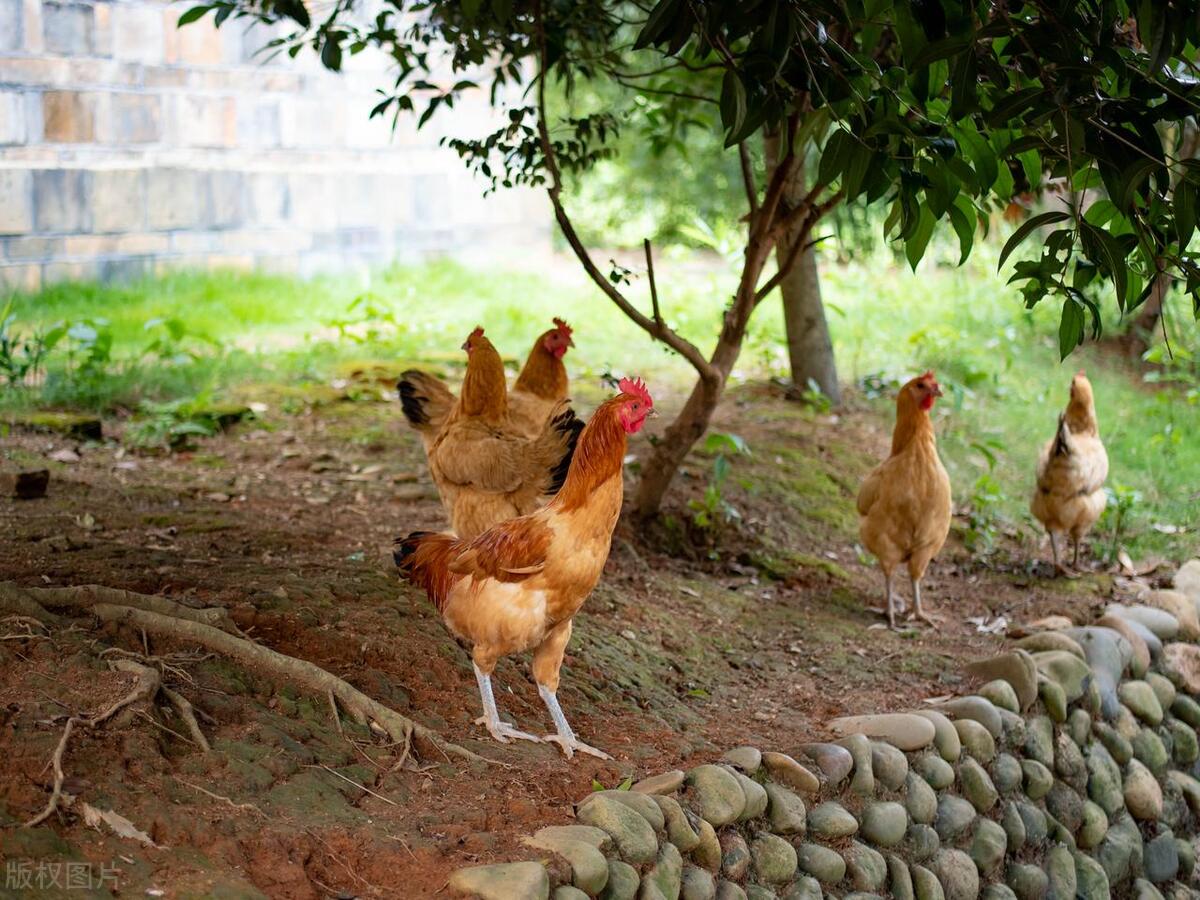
<point>288,522</point>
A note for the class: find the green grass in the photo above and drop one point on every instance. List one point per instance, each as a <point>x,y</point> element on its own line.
<point>1000,363</point>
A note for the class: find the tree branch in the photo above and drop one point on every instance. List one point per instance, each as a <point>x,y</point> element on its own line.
<point>656,329</point>
<point>653,284</point>
<point>815,214</point>
<point>748,177</point>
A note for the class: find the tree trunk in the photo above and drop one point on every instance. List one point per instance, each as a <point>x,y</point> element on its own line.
<point>810,349</point>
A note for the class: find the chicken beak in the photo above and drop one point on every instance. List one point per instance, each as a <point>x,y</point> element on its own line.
<point>652,413</point>
<point>937,390</point>
<point>466,345</point>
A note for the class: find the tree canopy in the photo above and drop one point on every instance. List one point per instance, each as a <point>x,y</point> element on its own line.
<point>942,111</point>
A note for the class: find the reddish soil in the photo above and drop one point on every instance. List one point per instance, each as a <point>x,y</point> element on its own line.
<point>759,637</point>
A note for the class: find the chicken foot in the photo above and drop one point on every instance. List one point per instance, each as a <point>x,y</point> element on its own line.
<point>917,612</point>
<point>565,738</point>
<point>1059,566</point>
<point>501,731</point>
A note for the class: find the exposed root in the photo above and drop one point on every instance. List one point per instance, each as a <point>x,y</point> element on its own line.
<point>361,787</point>
<point>188,714</point>
<point>33,602</point>
<point>250,807</point>
<point>313,678</point>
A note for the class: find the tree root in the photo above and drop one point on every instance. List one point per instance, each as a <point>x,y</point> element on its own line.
<point>33,602</point>
<point>188,714</point>
<point>400,729</point>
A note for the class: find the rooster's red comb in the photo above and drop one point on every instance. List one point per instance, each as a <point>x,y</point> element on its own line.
<point>562,326</point>
<point>477,333</point>
<point>635,387</point>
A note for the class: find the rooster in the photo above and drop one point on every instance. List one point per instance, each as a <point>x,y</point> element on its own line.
<point>1069,496</point>
<point>904,504</point>
<point>488,464</point>
<point>426,401</point>
<point>518,585</point>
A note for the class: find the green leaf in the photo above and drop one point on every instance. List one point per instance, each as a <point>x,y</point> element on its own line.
<point>833,156</point>
<point>331,54</point>
<point>1027,228</point>
<point>962,219</point>
<point>196,12</point>
<point>1132,178</point>
<point>914,247</point>
<point>980,153</point>
<point>1070,328</point>
<point>1185,212</point>
<point>661,20</point>
<point>733,102</point>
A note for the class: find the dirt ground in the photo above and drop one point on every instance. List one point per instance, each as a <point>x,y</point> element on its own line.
<point>685,649</point>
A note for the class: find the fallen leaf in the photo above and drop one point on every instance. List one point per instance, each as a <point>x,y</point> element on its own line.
<point>120,825</point>
<point>66,455</point>
<point>689,591</point>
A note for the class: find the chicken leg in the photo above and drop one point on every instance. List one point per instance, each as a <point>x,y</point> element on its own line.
<point>565,738</point>
<point>501,731</point>
<point>1058,565</point>
<point>1075,560</point>
<point>917,612</point>
<point>547,663</point>
<point>890,595</point>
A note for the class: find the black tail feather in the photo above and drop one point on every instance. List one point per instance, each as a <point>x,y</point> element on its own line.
<point>571,426</point>
<point>403,548</point>
<point>1062,437</point>
<point>412,401</point>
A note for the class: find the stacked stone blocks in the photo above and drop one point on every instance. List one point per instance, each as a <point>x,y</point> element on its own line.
<point>1070,772</point>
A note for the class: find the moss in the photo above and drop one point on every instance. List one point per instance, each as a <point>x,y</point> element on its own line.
<point>75,425</point>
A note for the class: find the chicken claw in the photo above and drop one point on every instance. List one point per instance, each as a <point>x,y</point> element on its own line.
<point>505,733</point>
<point>569,744</point>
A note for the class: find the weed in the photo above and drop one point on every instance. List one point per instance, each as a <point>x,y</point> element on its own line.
<point>174,424</point>
<point>23,355</point>
<point>1115,521</point>
<point>713,511</point>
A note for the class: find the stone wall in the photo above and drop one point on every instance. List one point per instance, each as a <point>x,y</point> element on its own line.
<point>1070,772</point>
<point>128,146</point>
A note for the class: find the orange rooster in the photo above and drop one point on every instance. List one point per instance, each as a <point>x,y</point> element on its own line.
<point>904,504</point>
<point>519,585</point>
<point>426,401</point>
<point>489,464</point>
<point>1069,496</point>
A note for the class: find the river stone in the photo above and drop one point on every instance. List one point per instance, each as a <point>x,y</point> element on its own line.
<point>1093,827</point>
<point>938,773</point>
<point>1053,699</point>
<point>650,890</point>
<point>1069,763</point>
<point>1141,700</point>
<point>1161,858</point>
<point>755,794</point>
<point>923,842</point>
<point>954,816</point>
<point>567,892</point>
<point>708,851</point>
<point>988,845</point>
<point>666,783</point>
<point>680,830</point>
<point>1065,805</point>
<point>1108,653</point>
<point>1034,820</point>
<point>1066,670</point>
<point>623,881</point>
<point>1037,779</point>
<point>1143,795</point>
<point>589,868</point>
<point>1163,625</point>
<point>977,741</point>
<point>865,867</point>
<point>1012,728</point>
<point>805,888</point>
<point>822,863</point>
<point>903,730</point>
<point>727,890</point>
<point>830,820</point>
<point>1091,882</point>
<point>1184,746</point>
<point>642,804</point>
<point>1045,641</point>
<point>1187,709</point>
<point>1187,579</point>
<point>745,759</point>
<point>1027,882</point>
<point>1149,749</point>
<point>718,795</point>
<point>594,837</point>
<point>735,856</point>
<point>899,879</point>
<point>1006,773</point>
<point>1187,858</point>
<point>1175,805</point>
<point>635,838</point>
<point>889,765</point>
<point>975,709</point>
<point>787,771</point>
<point>785,811</point>
<point>1079,727</point>
<point>1164,690</point>
<point>1189,787</point>
<point>884,823</point>
<point>667,871</point>
<point>758,892</point>
<point>1039,740</point>
<point>774,858</point>
<point>834,762</point>
<point>1017,668</point>
<point>945,737</point>
<point>1144,890</point>
<point>1058,833</point>
<point>957,873</point>
<point>977,785</point>
<point>1120,853</point>
<point>1181,663</point>
<point>862,779</point>
<point>1139,649</point>
<point>1179,605</point>
<point>998,892</point>
<point>1060,873</point>
<point>1001,695</point>
<point>1116,744</point>
<point>1014,827</point>
<point>926,885</point>
<point>697,884</point>
<point>919,799</point>
<point>507,881</point>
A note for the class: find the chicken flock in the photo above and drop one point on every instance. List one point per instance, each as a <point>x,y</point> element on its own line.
<point>533,495</point>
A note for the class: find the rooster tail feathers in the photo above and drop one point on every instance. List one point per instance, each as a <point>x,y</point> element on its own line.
<point>425,401</point>
<point>567,427</point>
<point>1062,438</point>
<point>423,559</point>
<point>404,548</point>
